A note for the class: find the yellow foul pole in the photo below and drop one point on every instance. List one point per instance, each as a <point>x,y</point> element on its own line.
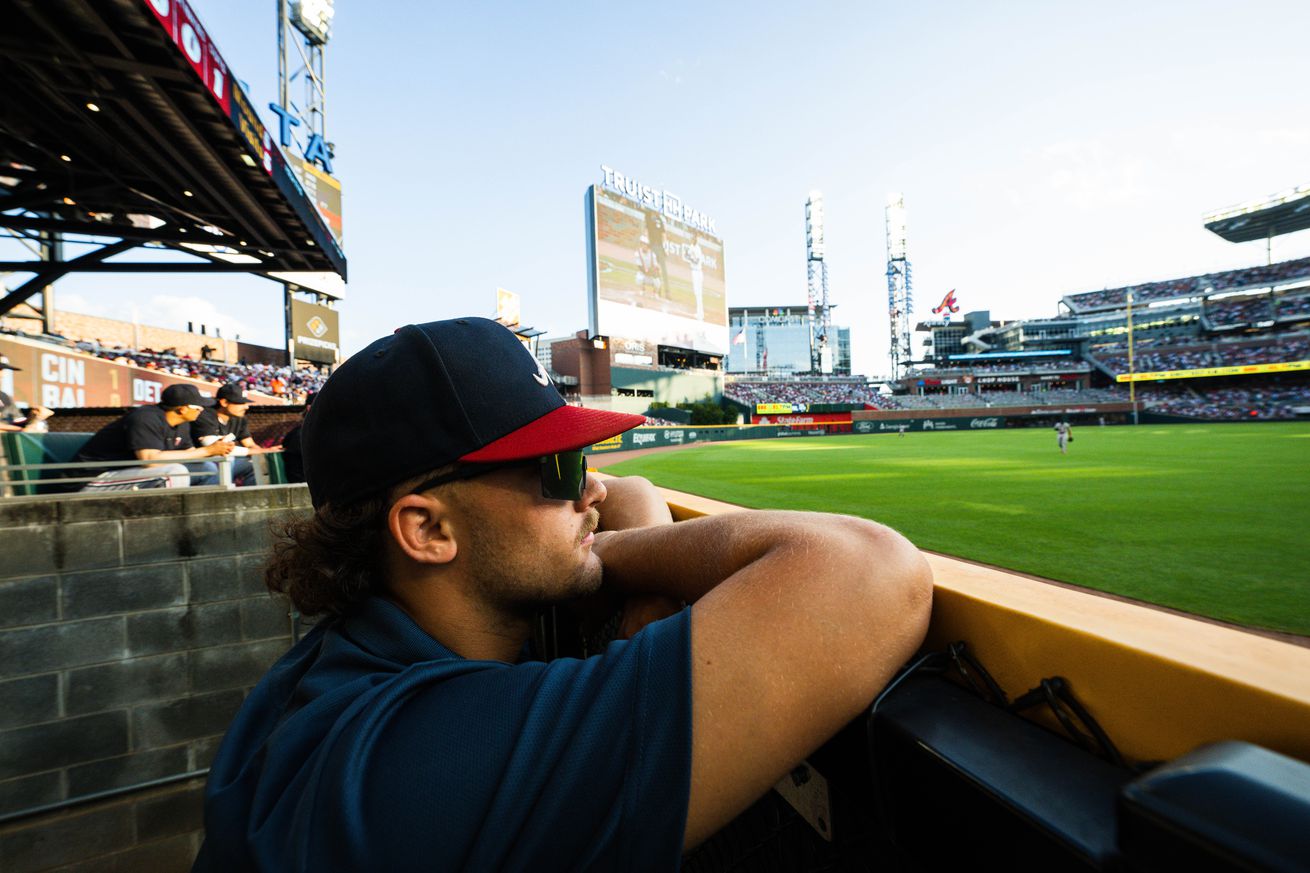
<point>1132,383</point>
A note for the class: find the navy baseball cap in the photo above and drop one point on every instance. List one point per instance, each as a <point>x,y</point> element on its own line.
<point>183,395</point>
<point>433,394</point>
<point>231,392</point>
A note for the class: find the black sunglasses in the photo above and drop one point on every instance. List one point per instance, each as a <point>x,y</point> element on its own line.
<point>563,474</point>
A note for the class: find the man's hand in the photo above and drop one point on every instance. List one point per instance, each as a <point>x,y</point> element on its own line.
<point>219,448</point>
<point>39,413</point>
<point>631,502</point>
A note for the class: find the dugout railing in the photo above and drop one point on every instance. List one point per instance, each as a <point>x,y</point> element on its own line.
<point>45,464</point>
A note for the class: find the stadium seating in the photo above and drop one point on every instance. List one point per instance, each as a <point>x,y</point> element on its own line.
<point>1253,401</point>
<point>1204,353</point>
<point>1234,311</point>
<point>750,393</point>
<point>1054,396</point>
<point>1208,283</point>
<point>273,380</point>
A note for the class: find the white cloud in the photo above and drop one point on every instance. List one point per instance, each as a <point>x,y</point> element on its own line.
<point>172,310</point>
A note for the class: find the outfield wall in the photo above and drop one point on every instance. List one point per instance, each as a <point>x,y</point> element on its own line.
<point>663,437</point>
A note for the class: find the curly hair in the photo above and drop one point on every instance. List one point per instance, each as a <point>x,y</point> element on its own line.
<point>329,563</point>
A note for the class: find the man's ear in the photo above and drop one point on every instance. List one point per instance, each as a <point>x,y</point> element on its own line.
<point>420,525</point>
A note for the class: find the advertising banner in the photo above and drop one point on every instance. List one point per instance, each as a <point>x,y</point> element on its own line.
<point>655,277</point>
<point>657,437</point>
<point>315,331</point>
<point>804,418</point>
<point>183,27</point>
<point>59,380</point>
<point>323,191</point>
<point>895,425</point>
<point>1245,370</point>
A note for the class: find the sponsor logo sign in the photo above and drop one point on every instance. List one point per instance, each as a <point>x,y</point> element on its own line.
<point>1249,369</point>
<point>674,436</point>
<point>644,439</point>
<point>658,199</point>
<point>609,445</point>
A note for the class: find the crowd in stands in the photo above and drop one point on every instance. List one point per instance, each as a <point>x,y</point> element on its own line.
<point>1067,365</point>
<point>1210,354</point>
<point>993,399</point>
<point>1229,280</point>
<point>800,392</point>
<point>291,385</point>
<point>1239,310</point>
<point>1292,307</point>
<point>1253,401</point>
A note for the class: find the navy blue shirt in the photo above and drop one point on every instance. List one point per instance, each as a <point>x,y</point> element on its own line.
<point>370,746</point>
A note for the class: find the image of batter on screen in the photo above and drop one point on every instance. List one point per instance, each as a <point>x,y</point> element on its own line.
<point>649,275</point>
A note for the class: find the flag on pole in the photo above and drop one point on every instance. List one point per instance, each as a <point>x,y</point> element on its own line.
<point>740,339</point>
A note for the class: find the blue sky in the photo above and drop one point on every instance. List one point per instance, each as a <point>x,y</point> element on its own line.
<point>1042,148</point>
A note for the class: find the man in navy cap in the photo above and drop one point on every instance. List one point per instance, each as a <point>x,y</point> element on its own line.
<point>159,434</point>
<point>225,421</point>
<point>408,730</point>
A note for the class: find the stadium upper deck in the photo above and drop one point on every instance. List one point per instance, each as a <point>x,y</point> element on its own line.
<point>120,119</point>
<point>1281,273</point>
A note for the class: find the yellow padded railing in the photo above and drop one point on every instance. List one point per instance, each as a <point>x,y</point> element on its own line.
<point>1160,684</point>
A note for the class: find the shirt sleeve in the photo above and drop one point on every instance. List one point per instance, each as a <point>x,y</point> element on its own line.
<point>206,425</point>
<point>569,765</point>
<point>146,431</point>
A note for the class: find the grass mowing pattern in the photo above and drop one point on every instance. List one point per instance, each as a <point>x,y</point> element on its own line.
<point>1210,519</point>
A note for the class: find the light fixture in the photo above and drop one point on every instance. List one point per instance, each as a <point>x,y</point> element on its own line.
<point>187,194</point>
<point>309,242</point>
<point>65,158</point>
<point>599,342</point>
<point>69,201</point>
<point>93,107</point>
<point>248,159</point>
<point>241,243</point>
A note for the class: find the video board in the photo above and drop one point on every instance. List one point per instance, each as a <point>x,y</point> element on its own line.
<point>656,270</point>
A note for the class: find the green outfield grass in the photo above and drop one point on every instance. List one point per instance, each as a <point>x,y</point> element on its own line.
<point>1210,519</point>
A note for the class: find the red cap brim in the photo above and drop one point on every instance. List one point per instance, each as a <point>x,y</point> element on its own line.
<point>561,430</point>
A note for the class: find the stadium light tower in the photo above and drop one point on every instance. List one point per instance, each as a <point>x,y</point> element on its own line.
<point>817,282</point>
<point>900,287</point>
<point>313,19</point>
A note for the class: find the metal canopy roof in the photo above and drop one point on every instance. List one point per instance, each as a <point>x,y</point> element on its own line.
<point>119,119</point>
<point>1282,213</point>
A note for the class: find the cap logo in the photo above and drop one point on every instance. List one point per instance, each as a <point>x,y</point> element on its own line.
<point>541,377</point>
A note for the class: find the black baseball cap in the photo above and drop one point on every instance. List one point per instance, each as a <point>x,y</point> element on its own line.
<point>231,392</point>
<point>432,394</point>
<point>183,395</point>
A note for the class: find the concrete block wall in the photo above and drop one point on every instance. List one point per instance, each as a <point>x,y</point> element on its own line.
<point>131,628</point>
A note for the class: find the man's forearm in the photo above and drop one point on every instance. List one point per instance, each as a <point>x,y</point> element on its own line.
<point>165,456</point>
<point>689,559</point>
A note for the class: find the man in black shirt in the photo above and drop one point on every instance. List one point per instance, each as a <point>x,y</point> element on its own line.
<point>226,422</point>
<point>156,434</point>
